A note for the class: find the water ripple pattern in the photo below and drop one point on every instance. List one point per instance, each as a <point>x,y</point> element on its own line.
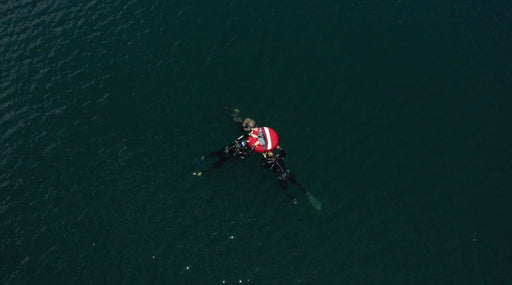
<point>394,114</point>
<point>56,64</point>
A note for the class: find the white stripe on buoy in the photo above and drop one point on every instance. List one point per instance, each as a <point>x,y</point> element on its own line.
<point>269,139</point>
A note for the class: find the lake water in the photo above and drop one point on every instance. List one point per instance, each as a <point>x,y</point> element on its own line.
<point>395,116</point>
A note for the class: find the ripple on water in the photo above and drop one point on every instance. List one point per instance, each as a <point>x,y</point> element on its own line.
<point>50,66</point>
<point>58,60</point>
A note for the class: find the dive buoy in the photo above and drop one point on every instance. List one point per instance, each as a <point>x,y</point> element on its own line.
<point>263,139</point>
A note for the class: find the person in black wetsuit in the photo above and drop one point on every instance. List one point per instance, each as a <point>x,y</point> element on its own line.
<point>237,149</point>
<point>276,163</point>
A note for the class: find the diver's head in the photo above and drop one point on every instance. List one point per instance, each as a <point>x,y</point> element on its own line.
<point>248,124</point>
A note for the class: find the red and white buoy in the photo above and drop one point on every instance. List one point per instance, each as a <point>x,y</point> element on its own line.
<point>263,139</point>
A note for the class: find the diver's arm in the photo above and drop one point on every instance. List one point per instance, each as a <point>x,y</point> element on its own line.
<point>219,152</point>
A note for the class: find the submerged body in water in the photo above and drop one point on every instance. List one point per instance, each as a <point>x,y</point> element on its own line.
<point>238,149</point>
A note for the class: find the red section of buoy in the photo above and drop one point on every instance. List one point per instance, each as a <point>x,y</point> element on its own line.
<point>264,139</point>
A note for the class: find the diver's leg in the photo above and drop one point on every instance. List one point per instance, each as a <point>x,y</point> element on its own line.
<point>292,179</point>
<point>218,163</point>
<point>288,194</point>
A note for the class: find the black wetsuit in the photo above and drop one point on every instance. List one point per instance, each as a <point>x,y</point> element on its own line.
<point>237,149</point>
<point>276,163</point>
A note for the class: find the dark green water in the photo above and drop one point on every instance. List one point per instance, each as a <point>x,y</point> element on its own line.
<point>395,115</point>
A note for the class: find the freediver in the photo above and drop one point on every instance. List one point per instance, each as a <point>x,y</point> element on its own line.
<point>276,163</point>
<point>238,149</point>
